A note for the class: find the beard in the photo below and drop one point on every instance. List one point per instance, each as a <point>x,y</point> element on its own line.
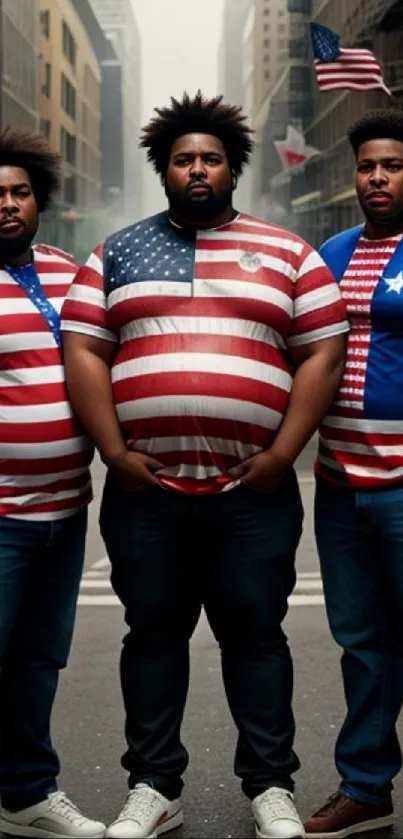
<point>12,247</point>
<point>194,208</point>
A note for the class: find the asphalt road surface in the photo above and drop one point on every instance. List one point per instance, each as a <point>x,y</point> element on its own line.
<point>88,719</point>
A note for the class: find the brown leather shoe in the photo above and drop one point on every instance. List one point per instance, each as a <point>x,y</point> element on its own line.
<point>341,817</point>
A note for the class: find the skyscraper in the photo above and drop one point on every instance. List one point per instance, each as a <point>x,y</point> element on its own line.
<point>120,26</point>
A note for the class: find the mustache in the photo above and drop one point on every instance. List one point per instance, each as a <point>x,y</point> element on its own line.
<point>199,182</point>
<point>8,218</point>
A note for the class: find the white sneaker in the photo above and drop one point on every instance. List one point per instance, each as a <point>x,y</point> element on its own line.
<point>275,815</point>
<point>56,816</point>
<point>146,815</point>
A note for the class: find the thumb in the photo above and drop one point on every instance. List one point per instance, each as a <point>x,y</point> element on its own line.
<point>239,471</point>
<point>153,465</point>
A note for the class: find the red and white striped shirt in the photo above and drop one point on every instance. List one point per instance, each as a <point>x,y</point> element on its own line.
<point>361,439</point>
<point>44,455</point>
<point>201,378</point>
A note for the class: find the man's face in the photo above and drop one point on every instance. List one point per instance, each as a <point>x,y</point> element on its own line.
<point>379,180</point>
<point>18,212</point>
<point>198,181</point>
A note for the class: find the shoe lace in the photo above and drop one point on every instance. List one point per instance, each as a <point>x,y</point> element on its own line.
<point>278,805</point>
<point>139,803</point>
<point>62,806</point>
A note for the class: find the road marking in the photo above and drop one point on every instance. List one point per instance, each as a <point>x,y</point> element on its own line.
<point>312,584</point>
<point>100,564</point>
<point>104,564</point>
<point>95,584</point>
<point>96,590</point>
<point>307,584</point>
<point>112,600</point>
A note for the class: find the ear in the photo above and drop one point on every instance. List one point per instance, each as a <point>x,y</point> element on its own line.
<point>234,181</point>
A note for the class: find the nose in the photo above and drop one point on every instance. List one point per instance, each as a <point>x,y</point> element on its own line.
<point>378,176</point>
<point>197,169</point>
<point>8,203</point>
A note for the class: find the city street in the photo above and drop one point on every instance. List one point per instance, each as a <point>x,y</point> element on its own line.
<point>88,720</point>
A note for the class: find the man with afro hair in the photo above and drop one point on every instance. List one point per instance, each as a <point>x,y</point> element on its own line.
<point>211,345</point>
<point>45,488</point>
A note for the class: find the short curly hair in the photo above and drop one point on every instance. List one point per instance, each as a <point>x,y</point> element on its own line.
<point>379,124</point>
<point>29,150</point>
<point>198,116</point>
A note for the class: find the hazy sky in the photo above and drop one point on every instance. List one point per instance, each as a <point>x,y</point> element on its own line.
<point>180,40</point>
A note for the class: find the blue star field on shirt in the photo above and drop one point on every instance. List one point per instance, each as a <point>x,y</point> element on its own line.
<point>152,249</point>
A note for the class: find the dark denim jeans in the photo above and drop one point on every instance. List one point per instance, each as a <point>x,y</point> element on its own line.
<point>234,553</point>
<point>40,570</point>
<point>360,543</point>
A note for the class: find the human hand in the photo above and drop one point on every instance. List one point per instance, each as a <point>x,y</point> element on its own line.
<point>135,470</point>
<point>262,472</point>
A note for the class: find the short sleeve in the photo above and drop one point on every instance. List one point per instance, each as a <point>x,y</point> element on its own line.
<point>84,309</point>
<point>319,310</point>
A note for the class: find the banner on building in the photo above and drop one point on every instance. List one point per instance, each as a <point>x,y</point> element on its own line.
<point>293,150</point>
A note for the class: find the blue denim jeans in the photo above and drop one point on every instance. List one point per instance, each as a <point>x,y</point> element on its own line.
<point>233,553</point>
<point>40,570</point>
<point>360,542</point>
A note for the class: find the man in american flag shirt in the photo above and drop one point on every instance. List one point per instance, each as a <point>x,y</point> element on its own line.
<point>181,336</point>
<point>359,500</point>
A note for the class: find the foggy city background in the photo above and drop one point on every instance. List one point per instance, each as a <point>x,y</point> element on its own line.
<point>88,74</point>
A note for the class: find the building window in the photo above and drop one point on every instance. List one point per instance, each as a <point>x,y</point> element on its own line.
<point>281,27</point>
<point>84,120</point>
<point>70,190</point>
<point>266,42</point>
<point>303,6</point>
<point>266,12</point>
<point>68,97</point>
<point>267,74</point>
<point>281,12</point>
<point>266,58</point>
<point>68,146</point>
<point>300,80</point>
<point>266,27</point>
<point>69,46</point>
<point>44,22</point>
<point>47,84</point>
<point>46,128</point>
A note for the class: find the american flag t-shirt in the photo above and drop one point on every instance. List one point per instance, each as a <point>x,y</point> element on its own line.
<point>361,438</point>
<point>340,68</point>
<point>203,322</point>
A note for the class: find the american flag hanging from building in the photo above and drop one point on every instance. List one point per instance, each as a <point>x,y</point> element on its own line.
<point>343,69</point>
